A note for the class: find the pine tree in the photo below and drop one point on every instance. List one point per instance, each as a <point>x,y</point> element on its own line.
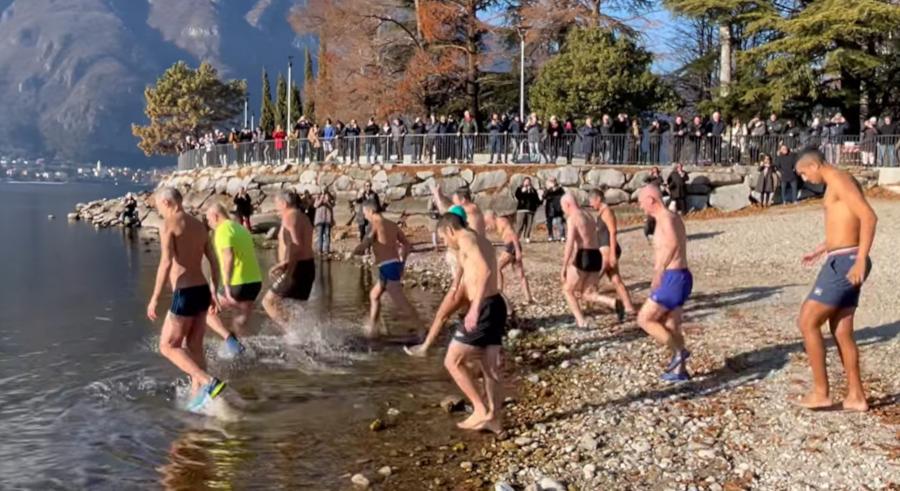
<point>309,83</point>
<point>267,110</point>
<point>281,101</point>
<point>296,102</point>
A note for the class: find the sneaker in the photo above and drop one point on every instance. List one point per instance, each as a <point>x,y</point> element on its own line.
<point>676,377</point>
<point>233,345</point>
<point>620,311</point>
<point>678,359</point>
<point>206,393</point>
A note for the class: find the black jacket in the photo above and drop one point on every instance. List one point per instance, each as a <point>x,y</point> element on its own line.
<point>372,129</point>
<point>552,198</point>
<point>677,185</point>
<point>527,200</point>
<point>784,164</point>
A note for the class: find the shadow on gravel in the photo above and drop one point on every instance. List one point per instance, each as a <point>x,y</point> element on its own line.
<point>751,366</point>
<point>704,235</point>
<point>705,305</point>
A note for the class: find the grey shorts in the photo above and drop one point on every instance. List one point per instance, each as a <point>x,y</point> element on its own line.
<point>832,286</point>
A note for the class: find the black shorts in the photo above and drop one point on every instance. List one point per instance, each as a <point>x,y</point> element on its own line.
<point>589,260</point>
<point>299,285</point>
<point>191,301</point>
<point>490,327</point>
<point>246,292</point>
<point>510,249</point>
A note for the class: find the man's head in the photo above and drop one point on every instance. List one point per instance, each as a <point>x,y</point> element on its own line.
<point>679,167</point>
<point>449,227</point>
<point>650,199</point>
<point>370,208</point>
<point>810,164</point>
<point>462,196</point>
<point>568,204</point>
<point>168,201</point>
<point>596,197</point>
<point>783,149</point>
<point>588,121</point>
<point>773,117</point>
<point>717,116</point>
<point>367,186</point>
<point>887,119</point>
<point>287,200</point>
<point>216,214</point>
<point>678,119</point>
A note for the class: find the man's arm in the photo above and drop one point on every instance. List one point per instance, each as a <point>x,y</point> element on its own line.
<point>227,260</point>
<point>213,276</point>
<point>405,246</point>
<point>439,199</point>
<point>365,243</point>
<point>609,218</point>
<point>167,244</point>
<point>850,193</point>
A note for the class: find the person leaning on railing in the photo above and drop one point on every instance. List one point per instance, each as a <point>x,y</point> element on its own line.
<point>655,132</point>
<point>495,129</point>
<point>887,141</point>
<point>371,131</point>
<point>417,133</point>
<point>715,131</point>
<point>588,135</point>
<point>352,141</point>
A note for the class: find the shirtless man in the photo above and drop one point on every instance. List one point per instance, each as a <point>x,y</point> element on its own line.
<point>660,316</point>
<point>479,341</point>
<point>184,242</point>
<point>391,248</point>
<point>609,242</point>
<point>512,250</point>
<point>849,234</point>
<point>242,279</point>
<point>461,197</point>
<point>580,268</point>
<point>295,272</point>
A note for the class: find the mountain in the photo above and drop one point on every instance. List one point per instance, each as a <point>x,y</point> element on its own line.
<point>73,72</point>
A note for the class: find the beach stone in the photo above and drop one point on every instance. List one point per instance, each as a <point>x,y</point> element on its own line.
<point>466,466</point>
<point>467,175</point>
<point>589,471</point>
<point>359,174</point>
<point>380,176</point>
<point>548,484</point>
<point>699,184</point>
<point>308,176</point>
<point>588,443</point>
<point>718,179</point>
<point>568,176</point>
<point>488,180</point>
<point>615,196</point>
<point>395,194</point>
<point>393,412</point>
<point>637,180</point>
<point>533,378</point>
<point>451,170</point>
<point>360,480</point>
<point>608,177</point>
<point>889,176</point>
<point>514,333</point>
<point>343,183</point>
<point>327,178</point>
<point>730,198</point>
<point>423,188</point>
<point>451,404</point>
<point>400,179</point>
<point>424,175</point>
<point>503,486</point>
<point>385,471</point>
<point>73,216</point>
<point>376,425</point>
<point>449,185</point>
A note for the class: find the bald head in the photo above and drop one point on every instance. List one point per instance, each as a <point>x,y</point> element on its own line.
<point>567,202</point>
<point>650,199</point>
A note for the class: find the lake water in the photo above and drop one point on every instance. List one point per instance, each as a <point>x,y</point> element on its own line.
<point>86,401</point>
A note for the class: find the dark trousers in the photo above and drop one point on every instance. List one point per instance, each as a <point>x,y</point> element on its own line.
<point>788,197</point>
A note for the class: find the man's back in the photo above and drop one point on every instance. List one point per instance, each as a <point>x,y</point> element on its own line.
<point>188,237</point>
<point>386,238</point>
<point>475,217</point>
<point>585,230</point>
<point>300,241</point>
<point>473,247</point>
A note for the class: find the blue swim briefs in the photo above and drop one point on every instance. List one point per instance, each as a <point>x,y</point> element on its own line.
<point>390,270</point>
<point>675,288</point>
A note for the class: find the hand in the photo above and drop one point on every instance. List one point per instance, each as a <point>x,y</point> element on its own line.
<point>471,319</point>
<point>229,300</point>
<point>214,307</point>
<point>810,258</point>
<point>857,273</point>
<point>277,270</point>
<point>151,309</point>
<point>613,262</point>
<point>657,280</point>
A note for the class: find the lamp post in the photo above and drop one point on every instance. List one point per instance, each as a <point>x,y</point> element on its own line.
<point>246,103</point>
<point>287,117</point>
<point>521,31</point>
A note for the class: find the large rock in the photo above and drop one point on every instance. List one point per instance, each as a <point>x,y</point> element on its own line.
<point>395,193</point>
<point>501,203</point>
<point>488,180</point>
<point>343,183</point>
<point>451,170</point>
<point>308,176</point>
<point>380,176</point>
<point>449,185</point>
<point>730,198</point>
<point>605,177</point>
<point>422,188</point>
<point>718,179</point>
<point>424,175</point>
<point>697,202</point>
<point>327,178</point>
<point>467,175</point>
<point>889,176</point>
<point>400,179</point>
<point>637,180</point>
<point>568,176</point>
<point>359,173</point>
<point>700,184</point>
<point>616,196</point>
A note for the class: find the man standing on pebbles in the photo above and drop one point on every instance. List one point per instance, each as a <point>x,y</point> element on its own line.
<point>849,234</point>
<point>479,341</point>
<point>660,316</point>
<point>581,268</point>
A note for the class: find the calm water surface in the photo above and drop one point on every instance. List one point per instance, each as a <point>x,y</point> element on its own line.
<point>86,402</point>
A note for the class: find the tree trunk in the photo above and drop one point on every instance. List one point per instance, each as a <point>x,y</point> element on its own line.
<point>595,13</point>
<point>725,50</point>
<point>418,7</point>
<point>472,56</point>
<point>851,89</point>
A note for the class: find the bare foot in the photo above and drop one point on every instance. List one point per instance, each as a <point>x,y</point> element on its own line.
<point>855,404</point>
<point>418,351</point>
<point>369,331</point>
<point>493,425</point>
<point>472,421</point>
<point>814,401</point>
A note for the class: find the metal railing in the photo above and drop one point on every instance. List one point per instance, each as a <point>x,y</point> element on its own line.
<point>525,148</point>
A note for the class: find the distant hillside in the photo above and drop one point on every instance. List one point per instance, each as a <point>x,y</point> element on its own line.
<point>72,72</point>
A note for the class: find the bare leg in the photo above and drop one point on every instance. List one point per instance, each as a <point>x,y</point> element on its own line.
<point>175,335</point>
<point>215,323</point>
<point>842,331</point>
<point>492,389</point>
<point>458,354</point>
<point>275,308</point>
<point>621,290</point>
<point>592,295</point>
<point>812,315</point>
<point>520,268</point>
<point>501,265</point>
<point>651,318</point>
<point>398,296</point>
<point>572,285</point>
<point>241,316</point>
<point>374,309</point>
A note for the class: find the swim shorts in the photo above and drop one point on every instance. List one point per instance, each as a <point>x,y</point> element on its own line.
<point>589,260</point>
<point>299,285</point>
<point>832,286</point>
<point>510,248</point>
<point>391,270</point>
<point>675,288</point>
<point>191,301</point>
<point>246,292</point>
<point>490,327</point>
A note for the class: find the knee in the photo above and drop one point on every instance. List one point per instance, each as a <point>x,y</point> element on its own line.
<point>453,362</point>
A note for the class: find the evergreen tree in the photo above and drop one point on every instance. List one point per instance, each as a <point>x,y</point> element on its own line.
<point>267,110</point>
<point>296,102</point>
<point>187,102</point>
<point>309,83</point>
<point>281,101</point>
<point>598,72</point>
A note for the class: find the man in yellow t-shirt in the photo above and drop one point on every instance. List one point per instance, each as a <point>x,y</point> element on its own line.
<point>240,273</point>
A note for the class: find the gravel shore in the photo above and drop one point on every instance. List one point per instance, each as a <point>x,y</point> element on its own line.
<point>588,411</point>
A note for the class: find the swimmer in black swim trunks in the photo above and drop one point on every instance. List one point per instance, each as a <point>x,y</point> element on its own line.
<point>609,241</point>
<point>581,268</point>
<point>295,272</point>
<point>512,251</point>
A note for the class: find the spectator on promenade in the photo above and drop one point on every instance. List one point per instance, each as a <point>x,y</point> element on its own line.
<point>886,142</point>
<point>527,202</point>
<point>556,220</point>
<point>604,149</point>
<point>792,133</point>
<point>737,136</point>
<point>398,137</point>
<point>775,130</point>
<point>588,135</point>
<point>371,131</point>
<point>814,133</point>
<point>867,141</point>
<point>260,149</point>
<point>432,139</point>
<point>243,208</point>
<point>765,183</point>
<point>570,134</point>
<point>495,137</point>
<point>836,128</point>
<point>324,220</point>
<point>619,131</point>
<point>715,132</point>
<point>655,133</point>
<point>515,131</point>
<point>535,134</point>
<point>417,133</point>
<point>696,130</point>
<point>468,128</point>
<point>679,133</point>
<point>505,122</point>
<point>757,129</point>
<point>454,145</point>
<point>351,138</point>
<point>301,133</point>
<point>365,194</point>
<point>279,136</point>
<point>385,139</point>
<point>329,134</point>
<point>340,141</point>
<point>784,165</point>
<point>552,136</point>
<point>634,141</point>
<point>315,144</point>
<point>677,184</point>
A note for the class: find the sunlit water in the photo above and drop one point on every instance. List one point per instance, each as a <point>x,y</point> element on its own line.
<point>86,402</point>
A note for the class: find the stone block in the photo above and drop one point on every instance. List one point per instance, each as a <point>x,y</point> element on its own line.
<point>488,180</point>
<point>399,179</point>
<point>697,202</point>
<point>730,198</point>
<point>889,176</point>
<point>637,180</point>
<point>395,193</point>
<point>467,175</point>
<point>424,175</point>
<point>450,170</point>
<point>343,183</point>
<point>327,178</point>
<point>616,196</point>
<point>422,188</point>
<point>609,177</point>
